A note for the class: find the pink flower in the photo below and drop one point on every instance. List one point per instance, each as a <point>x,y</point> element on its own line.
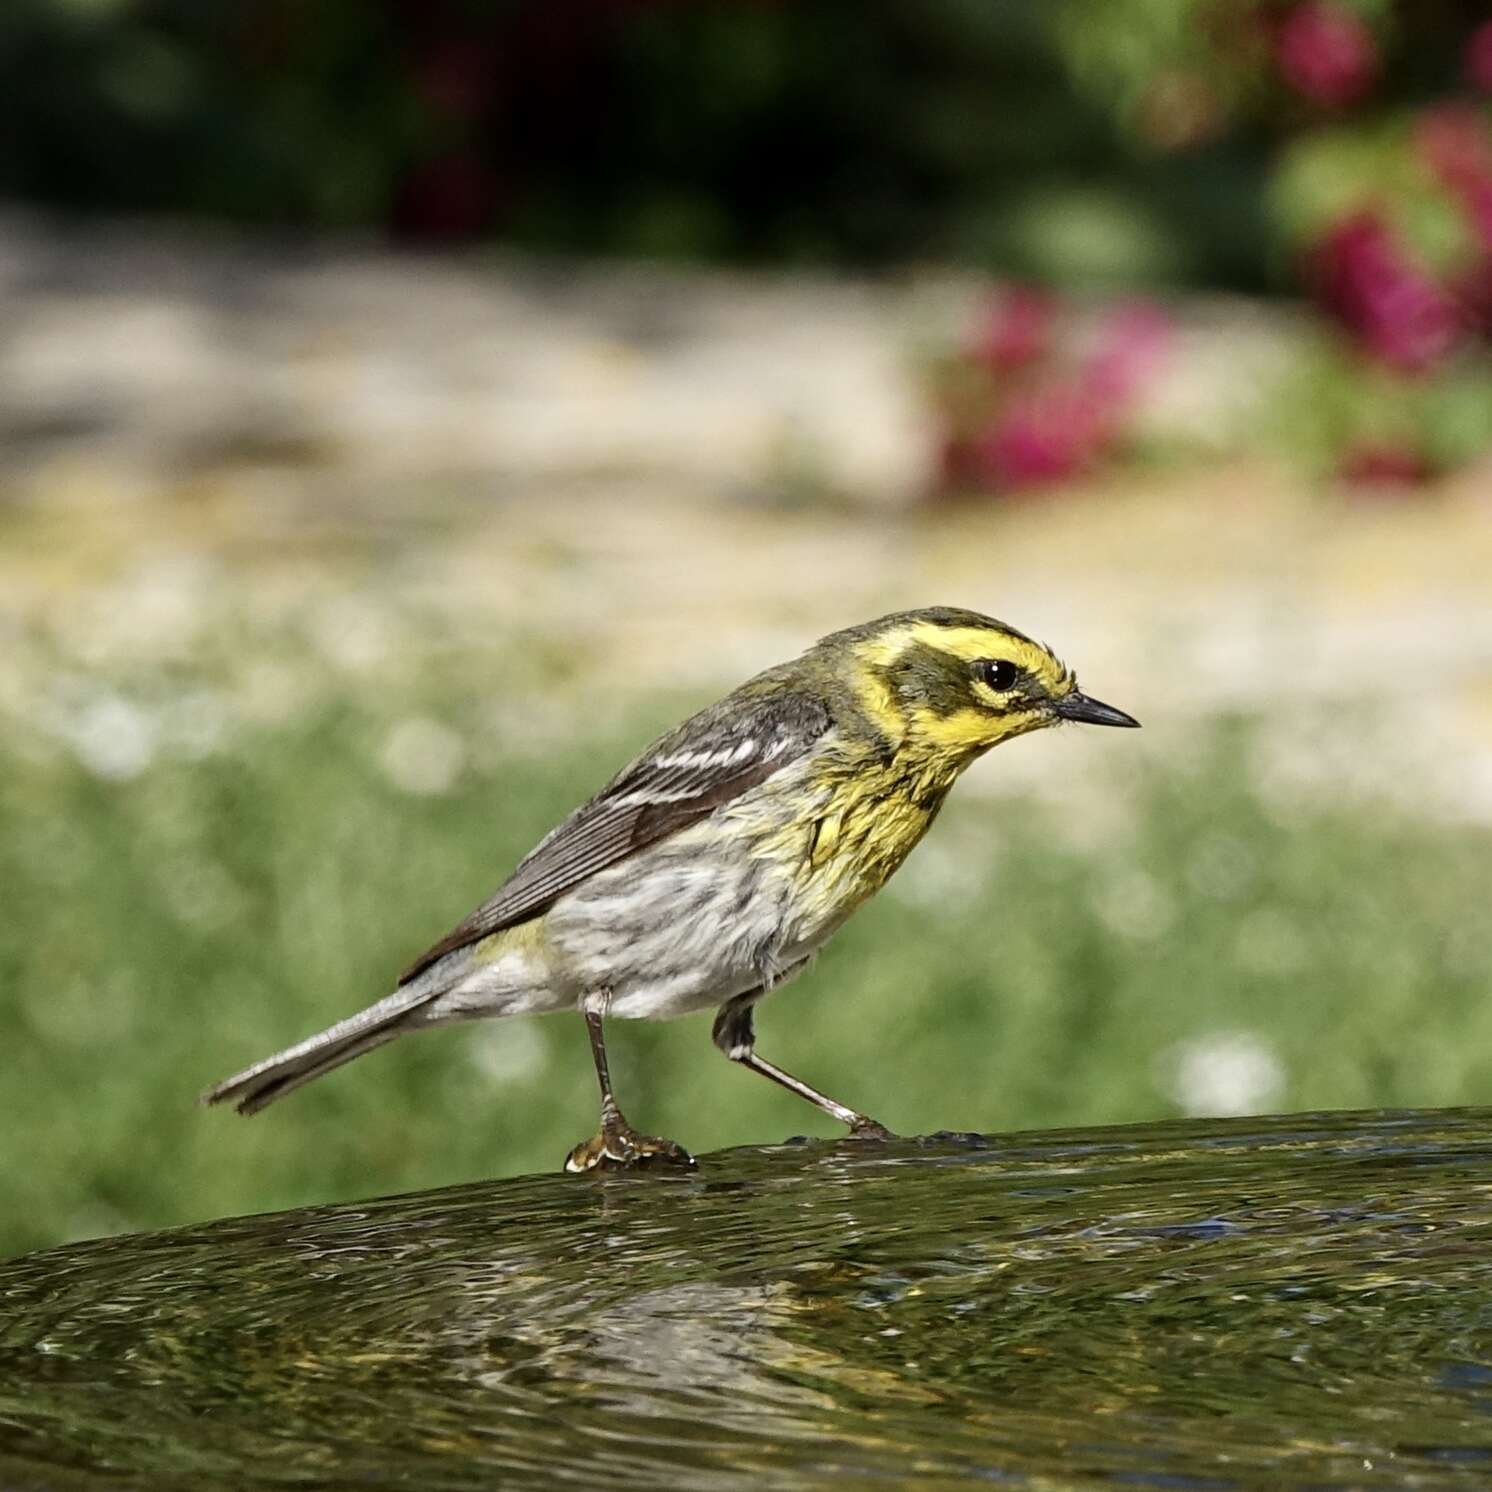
<point>1398,313</point>
<point>1132,344</point>
<point>1479,58</point>
<point>1015,330</point>
<point>1454,141</point>
<point>1326,53</point>
<point>1050,417</point>
<point>1041,437</point>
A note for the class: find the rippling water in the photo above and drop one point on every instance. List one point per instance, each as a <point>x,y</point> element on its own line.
<point>1296,1302</point>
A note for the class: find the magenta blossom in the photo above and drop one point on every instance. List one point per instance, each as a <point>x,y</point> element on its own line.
<point>1479,58</point>
<point>1052,410</point>
<point>1455,143</point>
<point>1132,344</point>
<point>1015,330</point>
<point>1326,53</point>
<point>1042,437</point>
<point>1366,279</point>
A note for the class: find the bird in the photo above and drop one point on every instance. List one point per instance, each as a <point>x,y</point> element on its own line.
<point>710,870</point>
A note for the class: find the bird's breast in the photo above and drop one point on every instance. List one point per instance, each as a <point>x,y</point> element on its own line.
<point>853,826</point>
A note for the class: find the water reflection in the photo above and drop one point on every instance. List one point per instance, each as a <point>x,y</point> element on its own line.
<point>1298,1302</point>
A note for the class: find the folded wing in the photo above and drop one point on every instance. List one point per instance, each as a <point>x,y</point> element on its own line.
<point>710,759</point>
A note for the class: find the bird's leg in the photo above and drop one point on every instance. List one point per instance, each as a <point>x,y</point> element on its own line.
<point>616,1144</point>
<point>735,1035</point>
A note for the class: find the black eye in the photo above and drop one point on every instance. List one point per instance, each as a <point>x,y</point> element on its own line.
<point>998,674</point>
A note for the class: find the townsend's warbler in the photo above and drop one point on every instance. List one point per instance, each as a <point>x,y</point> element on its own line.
<point>713,867</point>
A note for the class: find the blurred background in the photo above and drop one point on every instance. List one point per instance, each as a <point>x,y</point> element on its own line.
<point>408,410</point>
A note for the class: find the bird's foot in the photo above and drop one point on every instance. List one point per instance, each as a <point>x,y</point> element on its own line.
<point>618,1147</point>
<point>864,1128</point>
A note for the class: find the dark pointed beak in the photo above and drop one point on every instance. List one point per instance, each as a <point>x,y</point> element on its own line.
<point>1077,706</point>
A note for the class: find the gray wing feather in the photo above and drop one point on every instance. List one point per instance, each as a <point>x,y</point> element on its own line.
<point>711,758</point>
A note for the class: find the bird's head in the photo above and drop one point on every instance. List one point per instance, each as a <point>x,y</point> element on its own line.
<point>956,683</point>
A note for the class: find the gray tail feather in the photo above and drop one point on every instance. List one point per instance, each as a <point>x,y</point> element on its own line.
<point>264,1082</point>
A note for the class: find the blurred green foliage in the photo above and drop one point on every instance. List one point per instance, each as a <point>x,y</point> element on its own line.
<point>1030,966</point>
<point>1091,141</point>
<point>832,132</point>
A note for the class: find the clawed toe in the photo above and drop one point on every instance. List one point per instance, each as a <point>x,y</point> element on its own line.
<point>620,1148</point>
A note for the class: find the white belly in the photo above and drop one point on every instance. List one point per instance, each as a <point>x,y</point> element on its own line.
<point>670,930</point>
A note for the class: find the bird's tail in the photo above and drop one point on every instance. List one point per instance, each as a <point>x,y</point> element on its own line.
<point>264,1082</point>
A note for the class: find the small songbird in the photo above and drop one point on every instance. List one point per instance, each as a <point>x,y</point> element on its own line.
<point>711,869</point>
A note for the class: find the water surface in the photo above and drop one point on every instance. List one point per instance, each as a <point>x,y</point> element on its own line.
<point>1302,1302</point>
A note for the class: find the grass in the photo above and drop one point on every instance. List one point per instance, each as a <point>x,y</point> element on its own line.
<point>1190,938</point>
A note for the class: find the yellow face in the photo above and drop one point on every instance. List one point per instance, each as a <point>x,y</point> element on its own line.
<point>957,684</point>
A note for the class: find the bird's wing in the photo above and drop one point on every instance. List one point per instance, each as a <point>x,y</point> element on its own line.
<point>708,760</point>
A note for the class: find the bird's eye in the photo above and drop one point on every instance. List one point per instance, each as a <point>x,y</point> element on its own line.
<point>998,674</point>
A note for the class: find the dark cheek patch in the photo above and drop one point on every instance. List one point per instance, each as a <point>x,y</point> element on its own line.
<point>934,680</point>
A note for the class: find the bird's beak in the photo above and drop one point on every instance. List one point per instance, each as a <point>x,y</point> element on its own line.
<point>1080,707</point>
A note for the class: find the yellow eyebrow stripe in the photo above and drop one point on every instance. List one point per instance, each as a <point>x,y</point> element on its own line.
<point>975,642</point>
<point>970,643</point>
